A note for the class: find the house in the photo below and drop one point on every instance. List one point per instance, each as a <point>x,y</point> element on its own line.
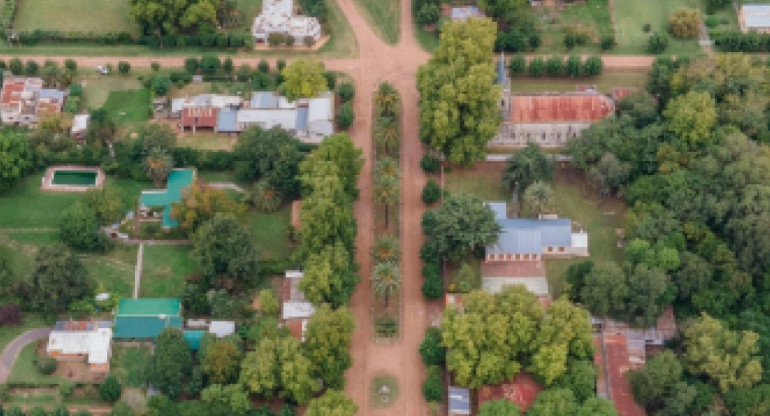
<point>226,118</point>
<point>459,401</point>
<point>460,14</point>
<point>195,119</point>
<point>522,390</point>
<point>548,119</point>
<point>295,309</point>
<point>79,126</point>
<point>620,348</point>
<point>531,239</point>
<point>178,105</point>
<point>221,329</point>
<point>278,18</point>
<point>145,319</point>
<point>24,101</point>
<point>309,119</point>
<point>150,201</point>
<point>82,340</point>
<point>754,17</point>
<point>530,274</point>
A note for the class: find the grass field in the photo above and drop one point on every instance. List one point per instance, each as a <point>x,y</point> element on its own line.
<point>128,365</point>
<point>99,87</point>
<point>632,15</point>
<point>343,41</point>
<point>113,271</point>
<point>383,16</point>
<point>164,269</point>
<point>427,40</point>
<point>206,141</point>
<point>271,232</point>
<point>598,216</point>
<point>29,321</point>
<point>98,16</point>
<point>605,83</point>
<point>25,371</point>
<point>591,17</point>
<point>130,106</point>
<point>484,181</point>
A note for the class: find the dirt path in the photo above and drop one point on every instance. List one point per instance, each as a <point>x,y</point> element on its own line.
<point>138,270</point>
<point>11,351</point>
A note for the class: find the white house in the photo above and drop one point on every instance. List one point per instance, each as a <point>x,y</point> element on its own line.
<point>278,17</point>
<point>78,340</point>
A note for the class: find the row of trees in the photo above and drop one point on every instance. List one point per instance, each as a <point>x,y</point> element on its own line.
<point>557,66</point>
<point>691,169</point>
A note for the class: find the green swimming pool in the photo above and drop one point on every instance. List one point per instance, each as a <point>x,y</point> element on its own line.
<point>74,177</point>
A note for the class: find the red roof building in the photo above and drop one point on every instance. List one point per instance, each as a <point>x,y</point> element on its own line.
<point>560,108</point>
<point>522,390</point>
<point>199,118</point>
<point>24,101</point>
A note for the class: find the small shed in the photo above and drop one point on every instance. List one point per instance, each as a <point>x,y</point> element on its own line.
<point>193,337</point>
<point>459,401</point>
<point>79,126</point>
<point>221,329</point>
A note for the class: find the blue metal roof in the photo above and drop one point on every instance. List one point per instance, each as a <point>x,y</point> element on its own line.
<point>462,13</point>
<point>47,93</point>
<point>226,120</point>
<point>263,99</point>
<point>529,236</point>
<point>757,15</point>
<point>144,327</point>
<point>459,401</point>
<point>302,117</point>
<point>502,72</point>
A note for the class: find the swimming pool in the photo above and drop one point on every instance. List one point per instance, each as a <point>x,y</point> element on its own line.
<point>74,177</point>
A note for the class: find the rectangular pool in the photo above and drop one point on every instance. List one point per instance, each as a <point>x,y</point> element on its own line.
<point>74,177</point>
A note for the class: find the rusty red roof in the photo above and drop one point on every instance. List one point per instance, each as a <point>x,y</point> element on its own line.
<point>623,92</point>
<point>556,108</point>
<point>199,117</point>
<point>12,89</point>
<point>522,390</point>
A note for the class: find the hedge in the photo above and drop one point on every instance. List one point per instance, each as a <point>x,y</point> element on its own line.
<point>218,41</point>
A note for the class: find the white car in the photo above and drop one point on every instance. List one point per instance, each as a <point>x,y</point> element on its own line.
<point>102,70</point>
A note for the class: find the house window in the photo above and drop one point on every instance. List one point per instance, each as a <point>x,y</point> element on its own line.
<point>561,249</point>
<point>550,249</point>
<point>526,257</point>
<point>518,257</point>
<point>508,257</point>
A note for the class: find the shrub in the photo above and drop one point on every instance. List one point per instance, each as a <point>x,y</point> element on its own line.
<point>684,23</point>
<point>124,67</point>
<point>16,66</point>
<point>593,66</point>
<point>647,28</point>
<point>70,65</point>
<point>331,80</point>
<point>570,40</point>
<point>386,249</point>
<point>711,21</point>
<point>607,42</point>
<point>537,67</point>
<point>76,90</point>
<point>428,13</point>
<point>433,284</point>
<point>431,193</point>
<point>431,350</point>
<point>275,39</point>
<point>433,387</point>
<point>347,91</point>
<point>210,65</point>
<point>227,66</point>
<point>266,198</point>
<point>110,389</point>
<point>263,66</point>
<point>155,66</point>
<point>160,84</point>
<point>518,64</point>
<point>281,64</point>
<point>346,116</point>
<point>430,163</point>
<point>65,390</point>
<point>268,303</point>
<point>534,41</point>
<point>31,67</point>
<point>657,43</point>
<point>555,66</point>
<point>191,65</point>
<point>574,66</point>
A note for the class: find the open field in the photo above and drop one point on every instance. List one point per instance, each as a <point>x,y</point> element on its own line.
<point>632,15</point>
<point>609,79</point>
<point>271,232</point>
<point>591,18</point>
<point>128,365</point>
<point>598,216</point>
<point>98,88</point>
<point>164,269</point>
<point>74,16</point>
<point>383,16</point>
<point>129,106</point>
<point>484,181</point>
<point>113,271</point>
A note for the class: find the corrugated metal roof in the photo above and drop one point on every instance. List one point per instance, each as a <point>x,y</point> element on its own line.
<point>302,117</point>
<point>463,13</point>
<point>459,401</point>
<point>48,93</point>
<point>226,121</point>
<point>262,99</point>
<point>193,337</point>
<point>560,108</point>
<point>149,307</point>
<point>529,236</point>
<point>757,15</point>
<point>143,327</point>
<point>535,285</point>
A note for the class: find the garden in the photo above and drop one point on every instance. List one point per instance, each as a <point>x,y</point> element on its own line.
<point>84,16</point>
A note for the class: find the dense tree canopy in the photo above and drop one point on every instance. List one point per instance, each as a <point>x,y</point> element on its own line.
<point>221,361</point>
<point>329,276</point>
<point>303,79</point>
<point>200,204</point>
<point>332,403</point>
<point>59,278</point>
<point>458,98</point>
<point>327,344</point>
<point>270,155</point>
<point>226,253</point>
<point>171,362</point>
<point>340,150</point>
<point>167,17</point>
<point>459,226</point>
<point>526,167</point>
<point>80,229</point>
<point>16,158</point>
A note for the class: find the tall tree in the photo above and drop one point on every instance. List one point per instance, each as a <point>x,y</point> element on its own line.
<point>329,276</point>
<point>168,18</point>
<point>201,204</point>
<point>340,150</point>
<point>221,362</point>
<point>277,367</point>
<point>386,134</point>
<point>605,290</point>
<point>539,197</point>
<point>157,135</point>
<point>513,13</point>
<point>650,292</point>
<point>526,167</point>
<point>500,407</point>
<point>651,384</point>
<point>233,395</point>
<point>271,155</point>
<point>597,406</point>
<point>16,158</point>
<point>302,79</point>
<point>691,118</point>
<point>726,357</point>
<point>459,226</point>
<point>327,344</point>
<point>171,362</point>
<point>387,192</point>
<point>386,279</point>
<point>459,110</point>
<point>609,174</point>
<point>58,279</point>
<point>80,229</point>
<point>107,204</point>
<point>225,251</point>
<point>553,402</point>
<point>158,165</point>
<point>386,101</point>
<point>332,403</point>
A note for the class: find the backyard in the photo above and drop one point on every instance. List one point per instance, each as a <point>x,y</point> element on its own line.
<point>129,106</point>
<point>590,18</point>
<point>383,16</point>
<point>74,16</point>
<point>98,87</point>
<point>164,269</point>
<point>128,365</point>
<point>206,141</point>
<point>632,15</point>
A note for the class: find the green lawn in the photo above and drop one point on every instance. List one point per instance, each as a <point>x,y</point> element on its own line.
<point>343,41</point>
<point>206,141</point>
<point>25,371</point>
<point>28,321</point>
<point>428,40</point>
<point>128,365</point>
<point>383,16</point>
<point>591,17</point>
<point>632,15</point>
<point>484,182</point>
<point>609,79</point>
<point>96,16</point>
<point>247,11</point>
<point>271,232</point>
<point>26,206</point>
<point>130,106</point>
<point>164,269</point>
<point>99,87</point>
<point>113,271</point>
<point>579,202</point>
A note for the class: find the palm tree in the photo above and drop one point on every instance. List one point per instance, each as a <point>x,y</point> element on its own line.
<point>158,164</point>
<point>386,249</point>
<point>386,278</point>
<point>386,100</point>
<point>387,192</point>
<point>539,196</point>
<point>386,133</point>
<point>527,166</point>
<point>387,166</point>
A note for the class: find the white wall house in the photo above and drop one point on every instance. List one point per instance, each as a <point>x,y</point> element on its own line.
<point>278,17</point>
